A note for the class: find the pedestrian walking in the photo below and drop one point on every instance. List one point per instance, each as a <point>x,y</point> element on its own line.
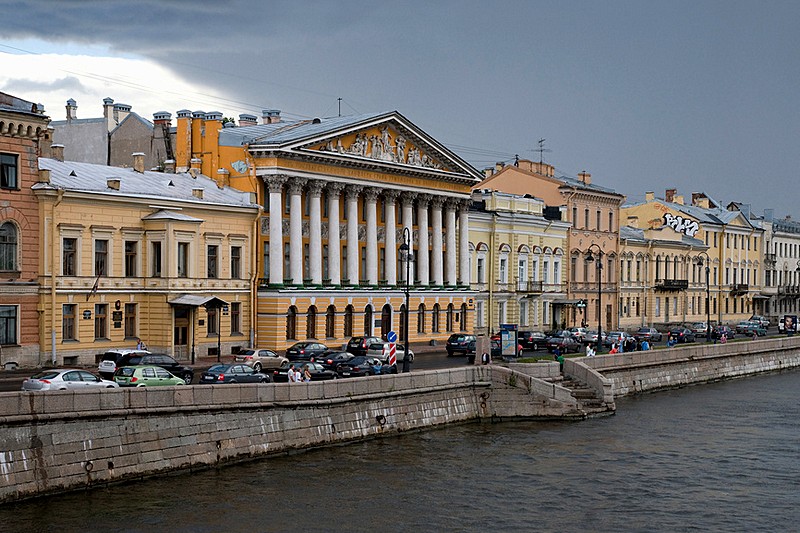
<point>290,375</point>
<point>645,345</point>
<point>306,374</point>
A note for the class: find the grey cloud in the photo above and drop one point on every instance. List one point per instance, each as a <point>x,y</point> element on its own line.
<point>20,85</point>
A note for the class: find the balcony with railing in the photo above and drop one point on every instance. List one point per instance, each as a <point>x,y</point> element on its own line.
<point>530,287</point>
<point>591,286</point>
<point>672,284</point>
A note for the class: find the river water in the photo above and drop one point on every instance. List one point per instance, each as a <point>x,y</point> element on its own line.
<point>717,457</point>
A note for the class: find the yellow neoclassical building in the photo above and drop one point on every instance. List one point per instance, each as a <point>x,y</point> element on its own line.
<point>517,263</point>
<point>733,255</point>
<point>350,205</point>
<point>129,254</point>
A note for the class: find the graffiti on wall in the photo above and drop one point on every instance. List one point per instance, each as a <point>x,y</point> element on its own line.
<point>681,225</point>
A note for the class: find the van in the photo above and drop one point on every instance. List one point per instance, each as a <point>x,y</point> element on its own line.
<point>109,360</point>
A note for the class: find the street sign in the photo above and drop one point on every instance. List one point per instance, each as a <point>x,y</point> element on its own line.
<point>391,336</point>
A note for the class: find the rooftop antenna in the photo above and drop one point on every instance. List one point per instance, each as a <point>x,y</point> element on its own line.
<point>340,106</point>
<point>541,151</point>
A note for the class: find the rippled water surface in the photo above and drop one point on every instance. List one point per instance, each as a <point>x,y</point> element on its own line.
<point>719,457</point>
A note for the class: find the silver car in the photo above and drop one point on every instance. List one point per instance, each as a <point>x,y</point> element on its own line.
<point>381,351</point>
<point>66,379</point>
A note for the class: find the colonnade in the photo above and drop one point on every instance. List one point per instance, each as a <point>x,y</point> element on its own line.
<point>442,212</point>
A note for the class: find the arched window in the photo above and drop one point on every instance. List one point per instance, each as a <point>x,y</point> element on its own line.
<point>450,316</point>
<point>386,320</point>
<point>368,321</point>
<point>330,322</point>
<point>435,319</point>
<point>348,321</point>
<point>311,323</point>
<point>463,322</point>
<point>8,247</point>
<point>421,318</point>
<point>291,324</point>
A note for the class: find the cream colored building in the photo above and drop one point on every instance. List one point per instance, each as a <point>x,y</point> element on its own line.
<point>516,262</point>
<point>129,254</point>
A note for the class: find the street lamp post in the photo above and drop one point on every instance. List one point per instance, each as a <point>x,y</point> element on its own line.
<point>589,259</point>
<point>406,256</point>
<point>707,262</point>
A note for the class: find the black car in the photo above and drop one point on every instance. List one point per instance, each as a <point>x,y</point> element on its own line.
<point>317,371</point>
<point>532,340</point>
<point>360,345</point>
<point>305,351</point>
<point>332,358</point>
<point>719,331</point>
<point>364,366</point>
<point>237,373</point>
<point>564,343</point>
<point>158,359</point>
<point>458,343</point>
<point>682,335</point>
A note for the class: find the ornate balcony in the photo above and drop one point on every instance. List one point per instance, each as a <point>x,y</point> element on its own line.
<point>672,284</point>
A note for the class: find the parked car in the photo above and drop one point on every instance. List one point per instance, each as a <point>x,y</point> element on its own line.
<point>700,329</point>
<point>764,321</point>
<point>146,376</point>
<point>381,351</point>
<point>616,337</point>
<point>532,340</point>
<point>317,370</point>
<point>591,337</point>
<point>259,359</point>
<point>718,331</point>
<point>360,345</point>
<point>235,373</point>
<point>332,358</point>
<point>682,335</point>
<point>66,379</point>
<point>457,343</point>
<point>580,333</point>
<point>363,365</point>
<point>164,361</point>
<point>649,334</point>
<point>750,328</point>
<point>565,344</point>
<point>305,351</point>
<point>108,361</point>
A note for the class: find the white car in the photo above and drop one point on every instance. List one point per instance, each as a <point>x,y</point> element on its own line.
<point>381,351</point>
<point>66,379</point>
<point>108,362</point>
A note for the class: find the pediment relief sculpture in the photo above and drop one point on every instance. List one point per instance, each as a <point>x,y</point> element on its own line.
<point>381,145</point>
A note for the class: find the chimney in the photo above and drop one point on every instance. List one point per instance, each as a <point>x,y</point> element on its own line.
<point>44,175</point>
<point>669,195</point>
<point>169,166</point>
<point>138,162</point>
<point>196,165</point>
<point>223,178</point>
<point>248,120</point>
<point>58,152</point>
<point>487,172</point>
<point>678,199</point>
<point>633,221</point>
<point>162,118</point>
<point>649,196</point>
<point>108,113</point>
<point>197,192</point>
<point>113,183</point>
<point>46,142</point>
<point>696,197</point>
<point>120,112</point>
<point>499,166</point>
<point>585,177</point>
<point>72,110</point>
<point>270,116</point>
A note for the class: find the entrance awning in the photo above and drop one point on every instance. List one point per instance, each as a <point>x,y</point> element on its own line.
<point>760,297</point>
<point>195,300</point>
<point>565,301</point>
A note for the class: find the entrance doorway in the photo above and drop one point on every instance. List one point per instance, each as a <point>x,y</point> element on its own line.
<point>180,336</point>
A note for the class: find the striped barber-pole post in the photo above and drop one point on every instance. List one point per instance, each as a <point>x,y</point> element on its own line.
<point>392,354</point>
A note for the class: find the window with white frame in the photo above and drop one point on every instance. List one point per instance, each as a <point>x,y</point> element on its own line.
<point>546,271</point>
<point>658,306</point>
<point>523,312</point>
<point>9,322</point>
<point>8,247</point>
<point>522,272</point>
<point>479,319</point>
<point>503,269</point>
<point>481,269</point>
<point>502,312</point>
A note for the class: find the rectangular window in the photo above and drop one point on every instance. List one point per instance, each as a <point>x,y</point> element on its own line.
<point>212,258</point>
<point>503,270</point>
<point>101,257</point>
<point>610,221</point>
<point>183,259</point>
<point>326,272</point>
<point>598,220</point>
<point>306,261</point>
<point>523,313</point>
<point>343,266</point>
<point>546,271</point>
<point>586,218</point>
<point>156,260</point>
<point>479,314</point>
<point>382,263</point>
<point>8,171</point>
<point>573,264</point>
<point>8,324</point>
<point>8,247</point>
<point>481,270</point>
<point>68,322</point>
<point>211,320</point>
<point>236,318</point>
<point>101,321</point>
<point>575,216</point>
<point>556,271</point>
<point>286,261</point>
<point>131,256</point>
<point>69,249</point>
<point>236,262</point>
<point>266,260</point>
<point>658,306</point>
<point>364,264</point>
<point>130,321</point>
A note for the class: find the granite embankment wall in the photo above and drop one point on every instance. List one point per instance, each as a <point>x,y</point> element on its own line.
<point>634,372</point>
<point>59,441</point>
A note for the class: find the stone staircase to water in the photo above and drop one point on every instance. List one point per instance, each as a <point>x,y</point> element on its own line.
<point>588,399</point>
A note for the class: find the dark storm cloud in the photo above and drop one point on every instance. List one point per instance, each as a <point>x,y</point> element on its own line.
<point>21,85</point>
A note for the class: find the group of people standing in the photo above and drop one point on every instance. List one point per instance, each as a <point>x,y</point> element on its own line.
<point>630,344</point>
<point>295,376</point>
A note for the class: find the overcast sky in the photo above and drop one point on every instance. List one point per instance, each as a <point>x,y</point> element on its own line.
<point>644,95</point>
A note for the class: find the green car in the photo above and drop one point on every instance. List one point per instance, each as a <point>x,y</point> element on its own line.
<point>750,328</point>
<point>145,376</point>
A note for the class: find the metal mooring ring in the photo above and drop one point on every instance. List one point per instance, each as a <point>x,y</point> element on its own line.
<point>381,420</point>
<point>89,466</point>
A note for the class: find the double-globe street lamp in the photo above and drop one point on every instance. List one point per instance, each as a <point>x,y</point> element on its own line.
<point>589,259</point>
<point>707,262</point>
<point>407,257</point>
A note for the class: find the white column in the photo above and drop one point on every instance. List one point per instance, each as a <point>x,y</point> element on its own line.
<point>450,231</point>
<point>296,231</point>
<point>371,196</point>
<point>423,254</point>
<point>463,244</point>
<point>408,223</point>
<point>334,246</point>
<point>275,184</point>
<point>315,232</point>
<point>352,234</point>
<point>436,229</point>
<point>390,236</point>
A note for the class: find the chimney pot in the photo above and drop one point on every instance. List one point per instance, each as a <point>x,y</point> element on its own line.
<point>669,195</point>
<point>270,116</point>
<point>44,175</point>
<point>169,166</point>
<point>138,162</point>
<point>197,193</point>
<point>57,151</point>
<point>649,196</point>
<point>113,183</point>
<point>586,178</point>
